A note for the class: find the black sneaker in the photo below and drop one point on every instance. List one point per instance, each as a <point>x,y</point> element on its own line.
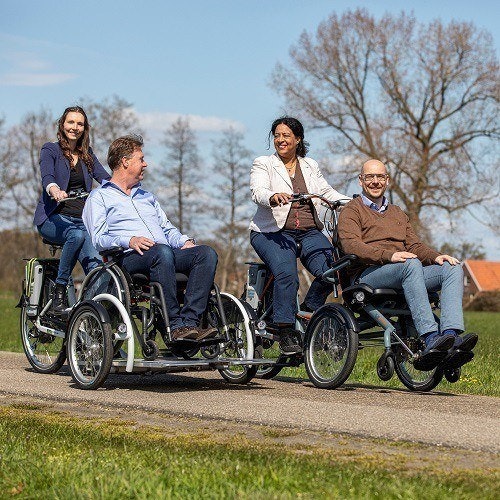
<point>289,341</point>
<point>465,343</point>
<point>435,351</point>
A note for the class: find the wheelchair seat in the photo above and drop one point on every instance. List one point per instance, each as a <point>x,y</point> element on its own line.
<point>140,279</point>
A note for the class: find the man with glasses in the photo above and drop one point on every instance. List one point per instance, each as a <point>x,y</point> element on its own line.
<point>390,255</point>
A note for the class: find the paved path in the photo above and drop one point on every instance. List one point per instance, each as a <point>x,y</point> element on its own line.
<point>468,422</point>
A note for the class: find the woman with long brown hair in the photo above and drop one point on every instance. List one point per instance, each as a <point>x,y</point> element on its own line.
<point>68,165</point>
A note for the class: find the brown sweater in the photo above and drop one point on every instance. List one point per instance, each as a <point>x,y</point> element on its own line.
<point>374,236</point>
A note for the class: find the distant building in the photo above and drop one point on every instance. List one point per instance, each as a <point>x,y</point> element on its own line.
<point>480,276</point>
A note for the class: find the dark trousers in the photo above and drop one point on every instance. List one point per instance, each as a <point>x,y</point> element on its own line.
<point>161,262</point>
<point>279,251</point>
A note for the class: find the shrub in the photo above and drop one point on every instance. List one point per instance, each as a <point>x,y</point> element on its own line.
<point>485,301</point>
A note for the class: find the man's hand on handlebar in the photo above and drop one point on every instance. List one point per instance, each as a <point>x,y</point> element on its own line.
<point>140,243</point>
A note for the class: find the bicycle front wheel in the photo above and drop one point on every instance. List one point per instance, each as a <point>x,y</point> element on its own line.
<point>90,347</point>
<point>331,349</point>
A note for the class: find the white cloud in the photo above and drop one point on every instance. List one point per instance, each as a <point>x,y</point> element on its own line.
<point>25,64</point>
<point>155,123</point>
<point>35,79</point>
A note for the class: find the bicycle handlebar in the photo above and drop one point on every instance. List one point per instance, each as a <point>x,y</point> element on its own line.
<point>77,194</point>
<point>304,198</point>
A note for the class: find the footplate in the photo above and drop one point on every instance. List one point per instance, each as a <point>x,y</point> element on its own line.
<point>171,365</point>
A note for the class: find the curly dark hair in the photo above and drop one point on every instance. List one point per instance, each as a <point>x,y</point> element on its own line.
<point>298,131</point>
<point>123,147</point>
<point>82,145</point>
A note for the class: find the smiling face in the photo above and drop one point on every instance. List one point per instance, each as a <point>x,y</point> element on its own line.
<point>73,126</point>
<point>285,142</point>
<point>374,180</point>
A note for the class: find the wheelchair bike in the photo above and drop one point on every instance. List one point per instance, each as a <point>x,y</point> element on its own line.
<point>333,334</point>
<point>112,324</point>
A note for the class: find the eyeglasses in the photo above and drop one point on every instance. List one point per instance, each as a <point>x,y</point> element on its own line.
<point>372,177</point>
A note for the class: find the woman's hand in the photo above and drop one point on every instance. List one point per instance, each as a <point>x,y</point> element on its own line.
<point>279,199</point>
<point>58,194</point>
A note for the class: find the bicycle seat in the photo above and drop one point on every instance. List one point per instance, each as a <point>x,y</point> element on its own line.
<point>52,244</point>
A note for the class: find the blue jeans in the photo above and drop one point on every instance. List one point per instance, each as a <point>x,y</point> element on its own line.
<point>161,262</point>
<point>279,252</point>
<point>70,232</point>
<point>415,280</point>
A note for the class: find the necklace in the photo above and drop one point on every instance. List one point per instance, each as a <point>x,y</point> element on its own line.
<point>293,166</point>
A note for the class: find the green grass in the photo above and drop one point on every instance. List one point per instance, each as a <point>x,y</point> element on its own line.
<point>481,376</point>
<point>10,337</point>
<point>44,456</point>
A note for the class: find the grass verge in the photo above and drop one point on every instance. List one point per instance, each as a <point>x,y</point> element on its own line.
<point>45,456</point>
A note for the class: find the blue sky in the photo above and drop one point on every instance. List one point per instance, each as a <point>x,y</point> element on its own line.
<point>210,59</point>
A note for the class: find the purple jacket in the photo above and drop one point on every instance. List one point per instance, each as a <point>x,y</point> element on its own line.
<point>54,167</point>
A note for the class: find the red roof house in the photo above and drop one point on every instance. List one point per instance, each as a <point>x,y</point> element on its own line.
<point>481,276</point>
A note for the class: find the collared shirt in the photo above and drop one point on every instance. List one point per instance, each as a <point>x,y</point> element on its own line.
<point>113,217</point>
<point>374,206</point>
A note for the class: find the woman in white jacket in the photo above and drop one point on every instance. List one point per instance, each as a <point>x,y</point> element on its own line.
<point>281,232</point>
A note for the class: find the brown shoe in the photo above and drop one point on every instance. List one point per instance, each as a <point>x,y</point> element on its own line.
<point>205,333</point>
<point>184,332</point>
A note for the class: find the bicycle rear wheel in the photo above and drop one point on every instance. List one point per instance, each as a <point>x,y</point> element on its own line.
<point>236,344</point>
<point>413,379</point>
<point>46,353</point>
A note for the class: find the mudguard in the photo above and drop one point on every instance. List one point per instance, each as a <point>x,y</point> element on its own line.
<point>99,309</point>
<point>343,311</point>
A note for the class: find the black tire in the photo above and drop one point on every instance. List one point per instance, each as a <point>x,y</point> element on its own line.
<point>236,342</point>
<point>46,353</point>
<point>452,375</point>
<point>413,379</point>
<point>268,372</point>
<point>385,368</point>
<point>331,348</point>
<point>90,346</point>
<point>151,350</point>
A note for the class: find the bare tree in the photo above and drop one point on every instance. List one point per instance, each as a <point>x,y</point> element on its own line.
<point>110,118</point>
<point>232,162</point>
<point>7,172</point>
<point>422,98</point>
<point>26,139</point>
<point>464,250</point>
<point>181,173</point>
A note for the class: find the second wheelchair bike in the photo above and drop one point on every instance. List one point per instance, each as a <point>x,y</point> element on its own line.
<point>113,324</point>
<point>333,334</point>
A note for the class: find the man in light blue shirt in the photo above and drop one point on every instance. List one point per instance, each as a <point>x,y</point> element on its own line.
<point>122,214</point>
